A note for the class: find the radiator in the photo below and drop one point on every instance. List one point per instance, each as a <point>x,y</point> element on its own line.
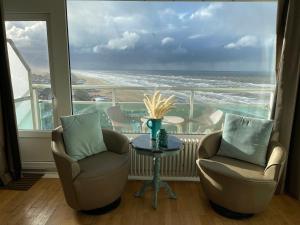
<point>179,167</point>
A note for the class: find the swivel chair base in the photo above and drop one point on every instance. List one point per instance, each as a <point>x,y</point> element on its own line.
<point>104,209</point>
<point>228,213</point>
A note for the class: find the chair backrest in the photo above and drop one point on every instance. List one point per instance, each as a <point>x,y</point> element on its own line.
<point>58,140</point>
<point>273,139</point>
<point>216,116</point>
<point>116,115</point>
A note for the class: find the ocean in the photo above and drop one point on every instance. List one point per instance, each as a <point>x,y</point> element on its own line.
<point>226,81</point>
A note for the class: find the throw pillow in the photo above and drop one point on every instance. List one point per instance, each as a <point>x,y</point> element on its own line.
<point>246,138</point>
<point>82,135</point>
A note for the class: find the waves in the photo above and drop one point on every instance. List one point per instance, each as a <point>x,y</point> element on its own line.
<point>227,81</point>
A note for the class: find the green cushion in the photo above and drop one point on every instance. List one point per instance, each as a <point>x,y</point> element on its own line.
<point>82,135</point>
<point>246,138</point>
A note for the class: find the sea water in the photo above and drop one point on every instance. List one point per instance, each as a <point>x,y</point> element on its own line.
<point>222,80</point>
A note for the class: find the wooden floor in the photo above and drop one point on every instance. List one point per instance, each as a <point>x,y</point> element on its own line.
<point>44,204</point>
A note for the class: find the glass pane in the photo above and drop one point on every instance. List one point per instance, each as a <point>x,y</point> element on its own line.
<point>215,57</point>
<point>24,114</point>
<point>27,47</point>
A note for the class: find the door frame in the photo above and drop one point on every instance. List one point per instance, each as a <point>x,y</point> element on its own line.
<point>35,145</point>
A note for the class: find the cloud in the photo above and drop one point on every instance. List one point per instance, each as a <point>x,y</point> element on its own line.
<point>127,41</point>
<point>206,12</point>
<point>183,16</point>
<point>245,41</point>
<point>25,36</point>
<point>143,31</point>
<point>169,12</point>
<point>196,36</point>
<point>167,41</point>
<point>98,26</point>
<point>171,27</point>
<point>30,38</point>
<point>269,41</point>
<point>123,19</point>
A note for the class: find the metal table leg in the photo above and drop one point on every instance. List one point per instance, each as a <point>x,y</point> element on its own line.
<point>141,192</point>
<point>168,189</point>
<point>156,183</point>
<point>156,179</point>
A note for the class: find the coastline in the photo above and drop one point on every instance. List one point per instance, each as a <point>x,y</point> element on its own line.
<point>102,94</point>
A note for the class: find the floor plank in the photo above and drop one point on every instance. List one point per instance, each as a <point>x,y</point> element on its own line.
<point>44,204</point>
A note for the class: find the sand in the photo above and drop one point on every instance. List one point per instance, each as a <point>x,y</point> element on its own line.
<point>103,93</point>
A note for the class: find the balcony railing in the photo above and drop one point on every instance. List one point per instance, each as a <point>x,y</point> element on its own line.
<point>187,101</point>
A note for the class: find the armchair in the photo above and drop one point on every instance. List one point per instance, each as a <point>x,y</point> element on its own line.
<point>98,180</point>
<point>237,186</point>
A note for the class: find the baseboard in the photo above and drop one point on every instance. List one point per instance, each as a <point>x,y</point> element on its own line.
<point>193,179</point>
<point>164,178</point>
<point>43,166</point>
<point>51,175</point>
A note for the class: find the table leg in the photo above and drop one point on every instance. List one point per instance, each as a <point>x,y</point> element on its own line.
<point>144,126</point>
<point>156,179</point>
<point>179,128</point>
<point>156,183</point>
<point>168,189</point>
<point>143,189</point>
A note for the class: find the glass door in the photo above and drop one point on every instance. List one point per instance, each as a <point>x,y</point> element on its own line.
<point>27,46</point>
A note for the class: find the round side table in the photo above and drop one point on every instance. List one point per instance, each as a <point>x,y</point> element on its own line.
<point>145,146</point>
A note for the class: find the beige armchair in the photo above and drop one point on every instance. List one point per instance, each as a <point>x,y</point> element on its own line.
<point>237,186</point>
<point>96,181</point>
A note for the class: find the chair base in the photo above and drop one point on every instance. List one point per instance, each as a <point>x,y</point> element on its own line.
<point>228,213</point>
<point>104,209</point>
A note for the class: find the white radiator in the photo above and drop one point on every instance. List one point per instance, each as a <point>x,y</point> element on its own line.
<point>179,167</point>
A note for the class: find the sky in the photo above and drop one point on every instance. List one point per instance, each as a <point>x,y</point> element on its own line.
<point>112,35</point>
<point>30,38</point>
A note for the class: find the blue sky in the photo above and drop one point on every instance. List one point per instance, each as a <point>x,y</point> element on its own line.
<point>172,35</point>
<point>113,35</point>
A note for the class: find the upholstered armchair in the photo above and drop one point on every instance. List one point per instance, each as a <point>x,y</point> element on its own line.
<point>98,180</point>
<point>236,185</point>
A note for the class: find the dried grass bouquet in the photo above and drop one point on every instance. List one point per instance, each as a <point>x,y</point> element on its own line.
<point>158,106</point>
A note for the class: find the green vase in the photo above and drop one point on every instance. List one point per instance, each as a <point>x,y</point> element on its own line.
<point>154,125</point>
<point>162,138</point>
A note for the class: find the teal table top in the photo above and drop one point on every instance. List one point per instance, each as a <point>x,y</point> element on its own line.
<point>144,144</point>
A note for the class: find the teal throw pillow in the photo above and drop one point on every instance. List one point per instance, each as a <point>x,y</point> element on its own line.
<point>246,138</point>
<point>82,135</point>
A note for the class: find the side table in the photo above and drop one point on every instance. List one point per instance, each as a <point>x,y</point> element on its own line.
<point>145,146</point>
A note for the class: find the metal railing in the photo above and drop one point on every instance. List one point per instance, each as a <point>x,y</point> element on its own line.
<point>192,91</point>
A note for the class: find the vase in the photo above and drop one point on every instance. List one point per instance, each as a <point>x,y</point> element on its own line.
<point>154,125</point>
<point>162,138</point>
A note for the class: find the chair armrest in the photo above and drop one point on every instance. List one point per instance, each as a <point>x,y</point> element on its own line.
<point>66,166</point>
<point>275,160</point>
<point>115,141</point>
<point>209,145</point>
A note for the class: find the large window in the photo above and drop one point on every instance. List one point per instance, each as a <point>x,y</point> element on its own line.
<point>27,46</point>
<point>215,57</point>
